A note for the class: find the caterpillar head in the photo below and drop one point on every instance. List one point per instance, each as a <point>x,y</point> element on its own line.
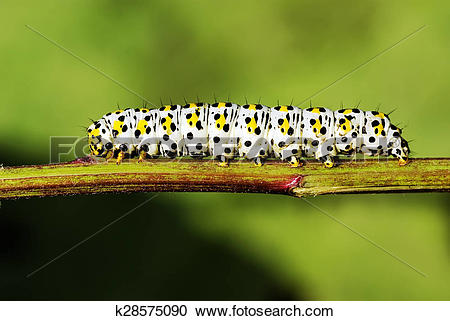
<point>99,145</point>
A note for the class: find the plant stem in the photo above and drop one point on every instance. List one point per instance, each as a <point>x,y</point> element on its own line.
<point>87,176</point>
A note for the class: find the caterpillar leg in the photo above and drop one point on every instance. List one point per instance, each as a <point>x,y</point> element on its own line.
<point>120,157</point>
<point>123,148</point>
<point>258,162</point>
<point>403,161</point>
<point>328,161</point>
<point>142,156</point>
<point>295,162</point>
<point>109,155</point>
<point>223,161</point>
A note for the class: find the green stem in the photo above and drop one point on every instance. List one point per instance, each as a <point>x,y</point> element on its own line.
<point>86,176</point>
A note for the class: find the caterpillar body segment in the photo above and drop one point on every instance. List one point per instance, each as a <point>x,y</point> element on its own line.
<point>122,123</point>
<point>252,131</point>
<point>285,133</point>
<point>145,133</point>
<point>348,125</point>
<point>318,134</point>
<point>375,134</point>
<point>222,142</point>
<point>194,130</point>
<point>169,131</point>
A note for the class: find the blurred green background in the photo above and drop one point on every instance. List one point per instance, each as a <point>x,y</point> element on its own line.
<point>222,246</point>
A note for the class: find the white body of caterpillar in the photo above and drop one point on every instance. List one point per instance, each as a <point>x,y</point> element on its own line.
<point>252,131</point>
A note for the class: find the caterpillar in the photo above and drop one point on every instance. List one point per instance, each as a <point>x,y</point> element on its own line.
<point>253,131</point>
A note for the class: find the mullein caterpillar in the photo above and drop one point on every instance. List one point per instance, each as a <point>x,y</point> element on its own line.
<point>252,131</point>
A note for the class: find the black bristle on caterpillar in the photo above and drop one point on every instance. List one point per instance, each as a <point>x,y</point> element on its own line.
<point>253,131</point>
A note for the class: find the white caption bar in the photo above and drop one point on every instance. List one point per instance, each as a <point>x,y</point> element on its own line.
<point>220,310</point>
